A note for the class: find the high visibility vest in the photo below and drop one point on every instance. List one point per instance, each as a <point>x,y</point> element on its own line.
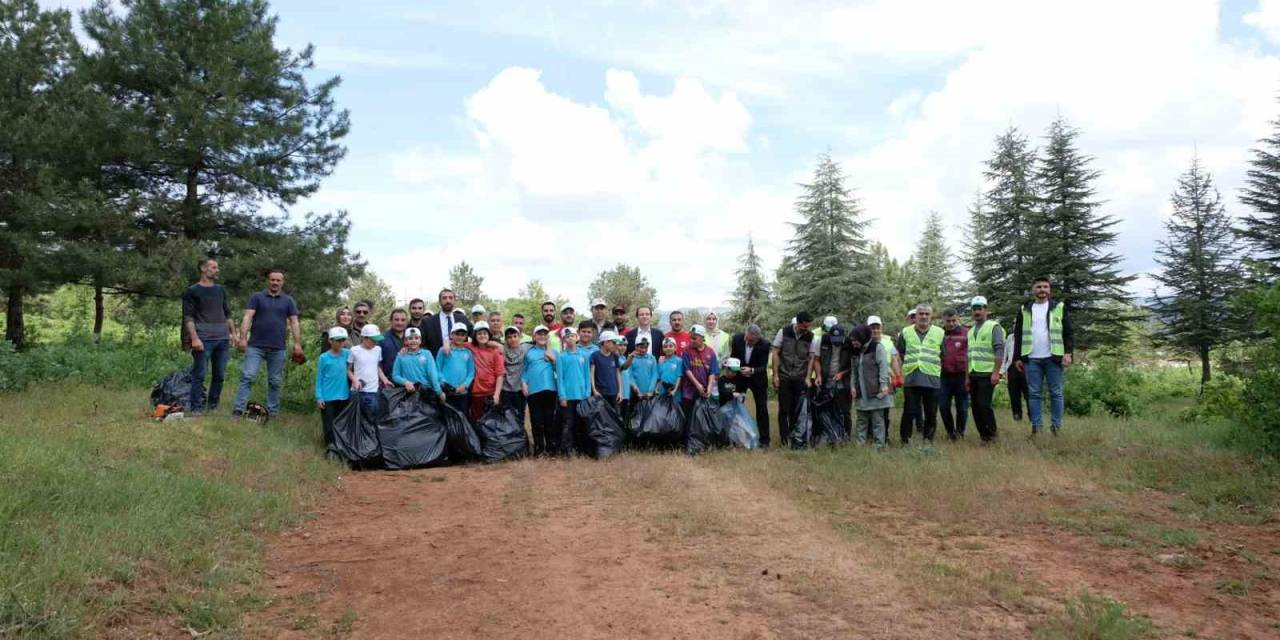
<point>1056,346</point>
<point>922,354</point>
<point>982,352</point>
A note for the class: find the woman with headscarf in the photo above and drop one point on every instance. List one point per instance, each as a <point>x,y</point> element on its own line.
<point>872,393</point>
<point>343,319</point>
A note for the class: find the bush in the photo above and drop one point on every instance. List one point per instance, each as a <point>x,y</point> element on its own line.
<point>1106,385</point>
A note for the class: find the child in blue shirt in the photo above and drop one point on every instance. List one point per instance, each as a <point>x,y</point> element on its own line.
<point>415,366</point>
<point>573,375</point>
<point>670,368</point>
<point>334,381</point>
<point>539,386</point>
<point>643,370</point>
<point>457,369</point>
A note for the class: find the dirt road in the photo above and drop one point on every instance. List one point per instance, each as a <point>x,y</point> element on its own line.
<point>642,546</point>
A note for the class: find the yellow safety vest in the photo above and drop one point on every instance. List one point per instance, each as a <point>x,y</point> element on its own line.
<point>1056,346</point>
<point>922,354</point>
<point>982,353</point>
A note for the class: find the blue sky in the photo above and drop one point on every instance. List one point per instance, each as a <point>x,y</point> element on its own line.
<point>552,140</point>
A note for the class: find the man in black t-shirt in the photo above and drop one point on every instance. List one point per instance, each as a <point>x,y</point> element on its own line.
<point>208,327</point>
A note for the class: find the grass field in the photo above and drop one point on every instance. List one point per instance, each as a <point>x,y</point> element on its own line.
<point>113,525</point>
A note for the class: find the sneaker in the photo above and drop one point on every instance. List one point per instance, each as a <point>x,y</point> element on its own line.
<point>1017,417</point>
<point>1054,430</point>
<point>237,414</point>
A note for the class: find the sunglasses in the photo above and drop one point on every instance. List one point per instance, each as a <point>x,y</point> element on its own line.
<point>362,312</point>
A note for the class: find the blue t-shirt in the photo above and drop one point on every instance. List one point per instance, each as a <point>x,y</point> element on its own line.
<point>671,370</point>
<point>605,367</point>
<point>331,377</point>
<point>644,372</point>
<point>270,319</point>
<point>539,374</point>
<point>457,369</point>
<point>416,367</point>
<point>626,376</point>
<point>572,375</point>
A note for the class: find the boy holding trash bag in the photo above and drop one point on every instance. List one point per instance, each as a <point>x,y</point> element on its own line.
<point>333,381</point>
<point>415,367</point>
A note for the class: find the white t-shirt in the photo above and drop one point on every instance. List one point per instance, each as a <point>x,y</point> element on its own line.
<point>366,363</point>
<point>1040,330</point>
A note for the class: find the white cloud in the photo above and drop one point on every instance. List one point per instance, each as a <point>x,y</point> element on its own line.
<point>1266,18</point>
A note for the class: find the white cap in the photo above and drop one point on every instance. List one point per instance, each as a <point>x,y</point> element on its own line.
<point>477,309</point>
<point>669,340</point>
<point>540,328</point>
<point>598,302</point>
<point>620,339</point>
<point>567,307</point>
<point>481,325</point>
<point>911,312</point>
<point>370,331</point>
<point>608,336</point>
<point>978,301</point>
<point>874,320</point>
<point>412,332</point>
<point>793,319</point>
<point>698,330</point>
<point>732,364</point>
<point>830,321</point>
<point>338,333</point>
<point>510,328</point>
<point>568,331</point>
<point>459,327</point>
<point>642,339</point>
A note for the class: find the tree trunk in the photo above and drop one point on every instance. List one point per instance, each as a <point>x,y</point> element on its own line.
<point>97,312</point>
<point>1204,368</point>
<point>15,329</point>
<point>191,202</point>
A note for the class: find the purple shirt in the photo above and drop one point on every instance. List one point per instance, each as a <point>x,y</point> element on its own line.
<point>702,364</point>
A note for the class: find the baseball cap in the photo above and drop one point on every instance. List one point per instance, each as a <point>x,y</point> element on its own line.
<point>874,320</point>
<point>477,309</point>
<point>978,301</point>
<point>567,307</point>
<point>460,328</point>
<point>642,339</point>
<point>911,313</point>
<point>670,341</point>
<point>568,331</point>
<point>732,364</point>
<point>829,321</point>
<point>698,330</point>
<point>338,333</point>
<point>620,339</point>
<point>542,328</point>
<point>481,325</point>
<point>371,331</point>
<point>412,332</point>
<point>608,336</point>
<point>511,329</point>
<point>598,302</point>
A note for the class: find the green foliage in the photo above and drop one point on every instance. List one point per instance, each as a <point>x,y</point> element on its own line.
<point>528,302</point>
<point>468,286</point>
<point>1261,229</point>
<point>625,285</point>
<point>998,244</point>
<point>1104,386</point>
<point>752,293</point>
<point>367,286</point>
<point>932,278</point>
<point>1091,617</point>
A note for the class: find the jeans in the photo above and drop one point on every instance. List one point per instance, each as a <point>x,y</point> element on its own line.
<point>920,407</point>
<point>984,417</point>
<point>952,392</point>
<point>1042,371</point>
<point>216,353</point>
<point>253,358</point>
<point>369,399</point>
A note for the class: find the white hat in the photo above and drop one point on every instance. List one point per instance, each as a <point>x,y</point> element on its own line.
<point>978,301</point>
<point>830,321</point>
<point>598,302</point>
<point>874,320</point>
<point>568,331</point>
<point>412,332</point>
<point>669,340</point>
<point>477,309</point>
<point>732,364</point>
<point>620,339</point>
<point>698,330</point>
<point>371,331</point>
<point>793,320</point>
<point>608,336</point>
<point>542,328</point>
<point>642,339</point>
<point>511,328</point>
<point>481,325</point>
<point>567,307</point>
<point>459,327</point>
<point>911,312</point>
<point>338,333</point>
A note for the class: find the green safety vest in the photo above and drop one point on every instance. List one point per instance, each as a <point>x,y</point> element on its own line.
<point>982,353</point>
<point>922,355</point>
<point>1056,346</point>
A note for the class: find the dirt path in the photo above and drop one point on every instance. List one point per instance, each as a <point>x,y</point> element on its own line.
<point>638,547</point>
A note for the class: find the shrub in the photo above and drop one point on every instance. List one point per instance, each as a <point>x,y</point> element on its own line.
<point>1105,385</point>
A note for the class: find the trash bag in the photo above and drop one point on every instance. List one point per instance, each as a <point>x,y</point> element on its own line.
<point>802,430</point>
<point>173,390</point>
<point>705,429</point>
<point>356,437</point>
<point>828,421</point>
<point>739,425</point>
<point>502,434</point>
<point>464,444</point>
<point>411,431</point>
<point>658,420</point>
<point>604,426</point>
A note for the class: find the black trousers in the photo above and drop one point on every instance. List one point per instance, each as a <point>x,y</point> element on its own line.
<point>572,436</point>
<point>920,407</point>
<point>516,400</point>
<point>1019,397</point>
<point>790,391</point>
<point>952,394</point>
<point>758,385</point>
<point>542,420</point>
<point>459,401</point>
<point>327,415</point>
<point>984,417</point>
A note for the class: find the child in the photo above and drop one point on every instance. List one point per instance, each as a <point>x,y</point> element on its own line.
<point>701,367</point>
<point>539,386</point>
<point>643,370</point>
<point>572,382</point>
<point>728,382</point>
<point>624,365</point>
<point>513,353</point>
<point>586,339</point>
<point>457,368</point>
<point>333,381</point>
<point>670,368</point>
<point>366,361</point>
<point>416,367</point>
<point>490,369</point>
<point>606,379</point>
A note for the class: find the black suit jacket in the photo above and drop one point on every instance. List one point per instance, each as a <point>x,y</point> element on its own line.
<point>759,362</point>
<point>655,340</point>
<point>431,336</point>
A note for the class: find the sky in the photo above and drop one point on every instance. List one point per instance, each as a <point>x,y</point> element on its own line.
<point>555,140</point>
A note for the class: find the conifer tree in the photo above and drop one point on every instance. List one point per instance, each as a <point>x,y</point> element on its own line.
<point>997,249</point>
<point>1199,273</point>
<point>752,293</point>
<point>933,278</point>
<point>468,286</point>
<point>1261,229</point>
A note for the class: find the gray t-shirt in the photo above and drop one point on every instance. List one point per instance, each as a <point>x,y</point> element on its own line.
<point>513,359</point>
<point>208,308</point>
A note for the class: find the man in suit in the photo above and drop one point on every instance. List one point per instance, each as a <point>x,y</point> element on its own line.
<point>644,320</point>
<point>750,348</point>
<point>439,326</point>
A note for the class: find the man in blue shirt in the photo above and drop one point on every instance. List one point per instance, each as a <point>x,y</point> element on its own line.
<point>268,315</point>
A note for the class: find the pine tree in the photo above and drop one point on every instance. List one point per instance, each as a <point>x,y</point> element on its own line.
<point>997,249</point>
<point>468,286</point>
<point>752,293</point>
<point>624,285</point>
<point>1067,240</point>
<point>1199,272</point>
<point>1261,230</point>
<point>933,279</point>
<point>830,270</point>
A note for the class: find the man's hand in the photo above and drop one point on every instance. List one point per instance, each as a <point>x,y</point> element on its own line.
<point>884,391</point>
<point>776,384</point>
<point>197,345</point>
<point>320,404</point>
<point>808,382</point>
<point>618,398</point>
<point>839,376</point>
<point>995,378</point>
<point>242,346</point>
<point>1022,366</point>
<point>297,350</point>
<point>1066,360</point>
<point>967,385</point>
<point>410,387</point>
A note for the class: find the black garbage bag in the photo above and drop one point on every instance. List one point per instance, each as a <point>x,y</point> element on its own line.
<point>502,434</point>
<point>464,444</point>
<point>705,429</point>
<point>828,422</point>
<point>741,427</point>
<point>174,389</point>
<point>603,426</point>
<point>802,430</point>
<point>356,438</point>
<point>411,431</point>
<point>658,420</point>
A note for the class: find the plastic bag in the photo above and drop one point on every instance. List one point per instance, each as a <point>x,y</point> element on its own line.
<point>658,420</point>
<point>604,426</point>
<point>356,438</point>
<point>502,434</point>
<point>802,430</point>
<point>739,425</point>
<point>463,442</point>
<point>173,390</point>
<point>411,431</point>
<point>705,429</point>
<point>828,421</point>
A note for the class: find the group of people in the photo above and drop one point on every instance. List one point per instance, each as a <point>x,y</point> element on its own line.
<point>474,361</point>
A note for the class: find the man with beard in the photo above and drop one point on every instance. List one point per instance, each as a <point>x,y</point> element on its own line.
<point>440,327</point>
<point>620,319</point>
<point>677,331</point>
<point>418,313</point>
